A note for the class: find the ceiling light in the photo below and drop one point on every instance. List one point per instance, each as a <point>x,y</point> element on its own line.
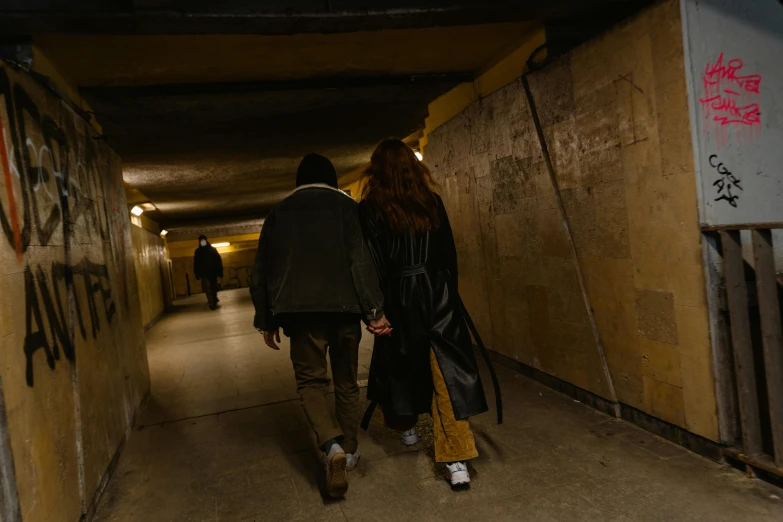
<point>164,232</point>
<point>418,155</point>
<point>220,245</point>
<point>137,211</point>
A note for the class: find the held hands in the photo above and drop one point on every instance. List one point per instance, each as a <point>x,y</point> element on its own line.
<point>271,337</point>
<point>380,327</point>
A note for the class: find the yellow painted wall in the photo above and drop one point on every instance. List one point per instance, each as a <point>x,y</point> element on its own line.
<point>151,273</point>
<point>355,188</point>
<point>57,424</point>
<point>444,108</point>
<point>45,66</point>
<point>238,242</point>
<point>508,69</point>
<point>238,259</point>
<point>237,267</point>
<point>615,114</point>
<point>146,223</point>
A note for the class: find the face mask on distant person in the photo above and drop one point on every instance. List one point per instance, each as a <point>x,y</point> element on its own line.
<point>203,242</point>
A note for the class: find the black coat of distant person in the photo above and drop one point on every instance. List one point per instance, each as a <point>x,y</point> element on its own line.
<point>207,263</point>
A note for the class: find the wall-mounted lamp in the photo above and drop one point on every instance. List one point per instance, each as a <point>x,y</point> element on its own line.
<point>221,245</point>
<point>137,211</point>
<point>418,154</point>
<point>163,233</point>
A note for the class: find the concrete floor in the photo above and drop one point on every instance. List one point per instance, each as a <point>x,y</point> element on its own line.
<point>223,438</point>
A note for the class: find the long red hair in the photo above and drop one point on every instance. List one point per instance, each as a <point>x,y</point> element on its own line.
<point>399,190</point>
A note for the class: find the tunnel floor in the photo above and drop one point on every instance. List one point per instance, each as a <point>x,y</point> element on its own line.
<point>223,438</point>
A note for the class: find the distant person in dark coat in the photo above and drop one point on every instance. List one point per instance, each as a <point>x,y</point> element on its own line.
<point>208,267</point>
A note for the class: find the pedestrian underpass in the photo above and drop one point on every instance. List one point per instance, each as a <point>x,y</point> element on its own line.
<point>616,217</point>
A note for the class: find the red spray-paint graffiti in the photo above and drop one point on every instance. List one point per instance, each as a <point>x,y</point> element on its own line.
<point>10,192</point>
<point>731,100</point>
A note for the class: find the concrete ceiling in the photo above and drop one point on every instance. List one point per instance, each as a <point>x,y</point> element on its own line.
<point>276,17</point>
<point>207,154</point>
<point>123,60</point>
<point>212,104</point>
<point>212,127</point>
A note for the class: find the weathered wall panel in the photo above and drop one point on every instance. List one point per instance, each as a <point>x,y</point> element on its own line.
<point>615,116</point>
<point>237,267</point>
<point>73,359</point>
<point>151,268</point>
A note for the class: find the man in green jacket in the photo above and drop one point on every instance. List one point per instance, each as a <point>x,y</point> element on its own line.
<point>314,277</point>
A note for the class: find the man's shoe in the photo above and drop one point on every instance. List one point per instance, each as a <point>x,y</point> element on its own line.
<point>352,460</point>
<point>458,476</point>
<point>410,437</point>
<point>336,483</point>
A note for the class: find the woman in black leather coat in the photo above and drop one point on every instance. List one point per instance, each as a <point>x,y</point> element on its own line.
<point>427,364</point>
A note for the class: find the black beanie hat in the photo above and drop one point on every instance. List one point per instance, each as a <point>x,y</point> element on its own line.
<point>316,169</point>
<point>202,237</point>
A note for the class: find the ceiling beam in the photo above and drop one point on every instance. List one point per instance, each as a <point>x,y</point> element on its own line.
<point>190,231</point>
<point>305,84</point>
<point>25,17</point>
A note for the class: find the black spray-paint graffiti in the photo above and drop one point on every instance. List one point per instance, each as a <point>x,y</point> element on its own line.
<point>75,168</point>
<point>35,336</point>
<point>54,173</point>
<point>98,294</point>
<point>725,183</point>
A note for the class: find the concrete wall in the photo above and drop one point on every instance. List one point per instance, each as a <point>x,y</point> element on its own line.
<point>615,114</point>
<point>73,364</point>
<point>495,77</point>
<point>152,274</point>
<point>237,267</point>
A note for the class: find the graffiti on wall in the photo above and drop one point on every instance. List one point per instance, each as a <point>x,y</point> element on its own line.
<point>59,192</point>
<point>727,185</point>
<point>237,277</point>
<point>731,101</point>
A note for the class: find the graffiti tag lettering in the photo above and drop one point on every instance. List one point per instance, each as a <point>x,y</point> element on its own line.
<point>731,99</point>
<point>237,277</point>
<point>59,192</point>
<point>725,183</point>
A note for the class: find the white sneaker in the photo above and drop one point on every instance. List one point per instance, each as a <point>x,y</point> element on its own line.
<point>352,460</point>
<point>336,483</point>
<point>410,437</point>
<point>457,474</point>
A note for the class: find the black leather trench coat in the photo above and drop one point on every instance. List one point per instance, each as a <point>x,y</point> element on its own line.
<point>419,280</point>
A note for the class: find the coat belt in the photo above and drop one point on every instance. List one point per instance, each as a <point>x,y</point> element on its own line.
<point>413,270</point>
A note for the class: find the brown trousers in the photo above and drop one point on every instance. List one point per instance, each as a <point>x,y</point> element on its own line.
<point>309,347</point>
<point>454,441</point>
<point>209,285</point>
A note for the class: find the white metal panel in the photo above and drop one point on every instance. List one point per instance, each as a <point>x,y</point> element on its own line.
<point>734,66</point>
